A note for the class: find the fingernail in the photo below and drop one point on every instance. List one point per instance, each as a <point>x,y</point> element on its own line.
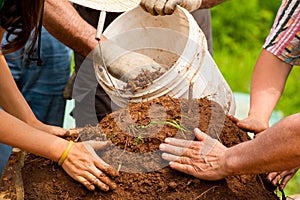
<point>167,140</point>
<point>197,130</point>
<point>171,164</point>
<point>162,147</point>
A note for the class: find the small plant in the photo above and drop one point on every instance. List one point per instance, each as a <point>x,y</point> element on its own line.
<point>113,135</point>
<point>138,140</point>
<point>172,122</point>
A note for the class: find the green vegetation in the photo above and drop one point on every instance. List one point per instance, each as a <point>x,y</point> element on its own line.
<point>239,31</point>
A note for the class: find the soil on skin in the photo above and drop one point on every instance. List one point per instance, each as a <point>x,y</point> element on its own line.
<point>135,134</point>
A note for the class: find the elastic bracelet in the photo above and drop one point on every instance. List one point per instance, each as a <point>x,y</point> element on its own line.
<point>65,153</point>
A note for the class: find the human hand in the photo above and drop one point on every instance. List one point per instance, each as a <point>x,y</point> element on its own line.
<point>167,7</point>
<point>85,166</point>
<point>282,178</point>
<point>204,159</point>
<point>250,124</point>
<point>54,130</point>
<point>121,63</point>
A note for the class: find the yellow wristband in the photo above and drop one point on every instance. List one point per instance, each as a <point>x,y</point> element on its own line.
<point>65,153</point>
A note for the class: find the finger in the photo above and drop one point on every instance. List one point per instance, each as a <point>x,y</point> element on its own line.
<point>85,182</point>
<point>178,151</point>
<point>179,142</point>
<point>72,132</point>
<point>149,6</point>
<point>171,6</point>
<point>233,118</point>
<point>271,176</point>
<point>159,7</point>
<point>100,164</point>
<point>178,159</point>
<point>182,167</point>
<point>200,135</point>
<point>102,184</point>
<point>285,180</point>
<point>98,178</point>
<point>170,157</point>
<point>276,179</point>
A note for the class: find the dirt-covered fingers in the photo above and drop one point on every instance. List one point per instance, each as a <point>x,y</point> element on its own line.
<point>274,178</point>
<point>90,182</point>
<point>85,182</point>
<point>280,179</point>
<point>154,7</point>
<point>171,5</point>
<point>99,163</point>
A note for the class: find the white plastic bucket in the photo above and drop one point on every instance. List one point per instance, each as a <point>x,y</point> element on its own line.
<point>175,41</point>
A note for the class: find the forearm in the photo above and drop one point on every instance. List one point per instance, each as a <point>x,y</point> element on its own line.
<point>268,81</point>
<point>18,134</point>
<point>11,99</point>
<point>210,3</point>
<point>64,23</point>
<point>275,149</point>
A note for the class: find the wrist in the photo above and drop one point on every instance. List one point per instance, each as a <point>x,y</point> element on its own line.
<point>229,163</point>
<point>65,153</point>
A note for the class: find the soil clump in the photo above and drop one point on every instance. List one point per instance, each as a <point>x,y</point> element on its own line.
<point>135,134</point>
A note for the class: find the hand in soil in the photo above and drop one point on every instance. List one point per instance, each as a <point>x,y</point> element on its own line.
<point>54,130</point>
<point>83,165</point>
<point>250,124</point>
<point>204,159</point>
<point>280,179</point>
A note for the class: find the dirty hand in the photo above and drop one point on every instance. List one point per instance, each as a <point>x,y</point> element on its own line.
<point>121,63</point>
<point>54,130</point>
<point>280,179</point>
<point>167,7</point>
<point>85,166</point>
<point>250,124</point>
<point>204,159</point>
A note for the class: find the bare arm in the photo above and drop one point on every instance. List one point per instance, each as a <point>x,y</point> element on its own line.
<point>209,159</point>
<point>276,149</point>
<point>64,23</point>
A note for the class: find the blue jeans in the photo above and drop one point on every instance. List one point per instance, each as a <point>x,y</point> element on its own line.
<point>5,153</point>
<point>42,86</point>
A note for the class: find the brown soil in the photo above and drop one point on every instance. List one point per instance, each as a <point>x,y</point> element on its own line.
<point>135,134</point>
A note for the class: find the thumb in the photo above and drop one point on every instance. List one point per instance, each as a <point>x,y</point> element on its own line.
<point>199,134</point>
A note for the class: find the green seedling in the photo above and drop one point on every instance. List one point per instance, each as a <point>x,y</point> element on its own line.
<point>138,140</point>
<point>173,123</point>
<point>113,135</point>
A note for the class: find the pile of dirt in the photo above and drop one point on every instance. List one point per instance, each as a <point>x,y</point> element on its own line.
<point>135,134</point>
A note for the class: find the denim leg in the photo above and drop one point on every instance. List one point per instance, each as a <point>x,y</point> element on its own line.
<point>43,86</point>
<point>4,156</point>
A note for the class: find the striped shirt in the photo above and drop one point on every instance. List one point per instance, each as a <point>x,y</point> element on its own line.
<point>284,38</point>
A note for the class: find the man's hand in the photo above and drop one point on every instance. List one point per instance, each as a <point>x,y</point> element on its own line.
<point>282,178</point>
<point>167,7</point>
<point>204,159</point>
<point>121,63</point>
